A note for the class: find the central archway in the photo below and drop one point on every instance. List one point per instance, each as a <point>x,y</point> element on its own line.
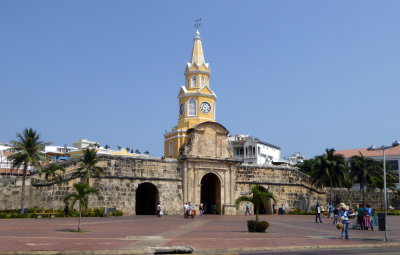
<point>211,194</point>
<point>146,199</point>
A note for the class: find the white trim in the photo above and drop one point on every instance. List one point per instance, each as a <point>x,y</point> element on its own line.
<point>200,118</point>
<point>175,137</point>
<point>198,94</point>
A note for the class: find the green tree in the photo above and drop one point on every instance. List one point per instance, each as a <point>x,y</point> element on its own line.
<point>88,165</point>
<point>27,151</point>
<point>378,183</point>
<point>330,170</point>
<point>81,195</point>
<point>362,170</point>
<point>258,198</point>
<point>307,166</point>
<point>53,173</point>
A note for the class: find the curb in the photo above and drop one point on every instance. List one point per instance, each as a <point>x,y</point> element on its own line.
<point>208,251</point>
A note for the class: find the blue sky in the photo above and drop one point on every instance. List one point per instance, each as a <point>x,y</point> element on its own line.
<point>304,75</point>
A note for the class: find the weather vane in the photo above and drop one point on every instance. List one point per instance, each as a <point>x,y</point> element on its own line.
<point>197,23</point>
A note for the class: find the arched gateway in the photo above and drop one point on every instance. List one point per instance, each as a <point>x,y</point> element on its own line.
<point>147,197</point>
<point>211,193</point>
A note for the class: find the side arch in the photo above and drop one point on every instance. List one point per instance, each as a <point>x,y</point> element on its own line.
<point>146,199</point>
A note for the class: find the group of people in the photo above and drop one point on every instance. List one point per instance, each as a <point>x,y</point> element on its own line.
<point>366,217</point>
<point>189,210</point>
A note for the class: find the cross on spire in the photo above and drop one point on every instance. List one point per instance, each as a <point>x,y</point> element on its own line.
<point>197,23</point>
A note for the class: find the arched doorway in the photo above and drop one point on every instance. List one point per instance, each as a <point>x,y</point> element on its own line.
<point>211,194</point>
<point>146,199</point>
<point>266,207</point>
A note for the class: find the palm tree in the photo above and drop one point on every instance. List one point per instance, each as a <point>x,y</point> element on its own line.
<point>27,151</point>
<point>87,165</point>
<point>81,195</point>
<point>377,181</point>
<point>258,198</point>
<point>330,169</point>
<point>53,172</point>
<point>362,170</point>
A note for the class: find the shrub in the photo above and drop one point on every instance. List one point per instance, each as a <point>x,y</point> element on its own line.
<point>117,213</point>
<point>257,226</point>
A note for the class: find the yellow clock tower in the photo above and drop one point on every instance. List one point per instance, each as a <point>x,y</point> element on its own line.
<point>196,100</point>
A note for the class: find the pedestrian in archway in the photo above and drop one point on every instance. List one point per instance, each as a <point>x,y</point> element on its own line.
<point>159,211</point>
<point>201,209</point>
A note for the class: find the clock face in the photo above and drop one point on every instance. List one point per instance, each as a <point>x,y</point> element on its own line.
<point>181,109</point>
<point>205,108</point>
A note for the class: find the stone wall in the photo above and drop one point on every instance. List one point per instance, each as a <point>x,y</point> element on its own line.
<point>177,181</point>
<point>117,188</point>
<point>290,186</point>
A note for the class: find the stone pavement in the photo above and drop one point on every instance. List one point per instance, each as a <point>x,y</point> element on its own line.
<point>208,234</point>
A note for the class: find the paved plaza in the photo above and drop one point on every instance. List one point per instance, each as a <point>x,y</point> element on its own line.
<point>208,234</point>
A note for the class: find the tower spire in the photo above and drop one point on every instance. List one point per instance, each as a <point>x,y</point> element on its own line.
<point>197,52</point>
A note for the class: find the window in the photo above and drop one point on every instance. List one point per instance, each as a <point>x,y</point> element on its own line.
<point>170,148</point>
<point>259,150</point>
<point>192,107</point>
<point>202,81</point>
<point>194,81</point>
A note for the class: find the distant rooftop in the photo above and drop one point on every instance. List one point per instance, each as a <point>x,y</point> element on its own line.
<point>395,151</point>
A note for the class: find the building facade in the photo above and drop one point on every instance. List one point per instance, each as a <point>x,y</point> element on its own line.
<point>253,151</point>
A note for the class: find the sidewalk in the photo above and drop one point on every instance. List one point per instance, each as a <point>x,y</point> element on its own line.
<point>210,233</point>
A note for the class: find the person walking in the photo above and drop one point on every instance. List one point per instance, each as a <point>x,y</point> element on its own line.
<point>283,209</point>
<point>335,215</point>
<point>201,209</point>
<point>344,218</point>
<point>360,216</point>
<point>185,210</point>
<point>158,209</point>
<point>330,209</point>
<point>368,217</point>
<point>247,209</point>
<point>318,213</point>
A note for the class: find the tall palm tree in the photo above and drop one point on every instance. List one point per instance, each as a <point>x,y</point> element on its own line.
<point>362,170</point>
<point>87,164</point>
<point>258,198</point>
<point>53,173</point>
<point>377,181</point>
<point>81,195</point>
<point>330,170</point>
<point>27,151</point>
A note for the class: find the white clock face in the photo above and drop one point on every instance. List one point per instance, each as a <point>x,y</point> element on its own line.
<point>205,108</point>
<point>181,109</point>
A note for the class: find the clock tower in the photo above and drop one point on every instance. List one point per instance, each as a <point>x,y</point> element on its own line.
<point>196,100</point>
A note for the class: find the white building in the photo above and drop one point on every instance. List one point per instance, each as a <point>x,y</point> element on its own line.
<point>84,143</point>
<point>251,150</point>
<point>295,158</point>
<point>6,165</point>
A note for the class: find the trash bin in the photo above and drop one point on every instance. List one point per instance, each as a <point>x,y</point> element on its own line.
<point>381,221</point>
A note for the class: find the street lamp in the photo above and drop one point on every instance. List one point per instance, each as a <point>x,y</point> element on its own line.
<point>383,148</point>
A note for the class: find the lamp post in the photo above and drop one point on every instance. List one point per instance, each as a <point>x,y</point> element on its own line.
<point>383,148</point>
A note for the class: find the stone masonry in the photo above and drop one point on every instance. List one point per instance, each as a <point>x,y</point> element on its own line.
<point>177,181</point>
